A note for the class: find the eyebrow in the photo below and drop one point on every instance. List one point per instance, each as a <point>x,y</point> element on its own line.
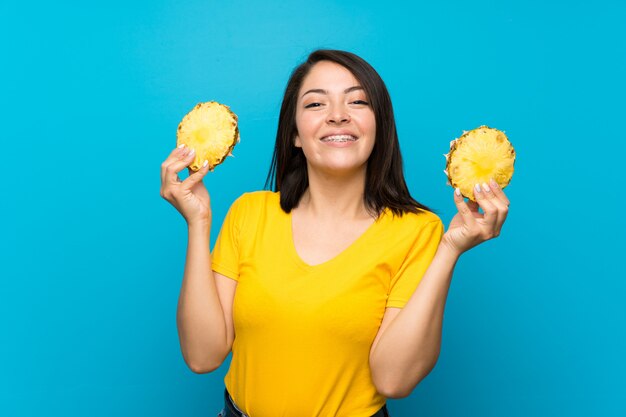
<point>321,91</point>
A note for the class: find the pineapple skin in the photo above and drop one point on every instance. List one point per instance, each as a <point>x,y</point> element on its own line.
<point>211,129</point>
<point>496,160</point>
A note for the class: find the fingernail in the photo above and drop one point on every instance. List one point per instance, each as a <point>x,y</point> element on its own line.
<point>477,188</point>
<point>205,163</point>
<point>182,145</point>
<point>493,183</point>
<point>457,191</point>
<point>486,187</point>
<point>192,152</point>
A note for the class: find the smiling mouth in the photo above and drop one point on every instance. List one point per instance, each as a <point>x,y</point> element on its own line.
<point>339,138</point>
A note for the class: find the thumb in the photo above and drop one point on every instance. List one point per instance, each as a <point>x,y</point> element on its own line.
<point>197,176</point>
<point>464,209</point>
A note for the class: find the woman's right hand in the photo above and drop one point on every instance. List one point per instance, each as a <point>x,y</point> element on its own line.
<point>190,197</point>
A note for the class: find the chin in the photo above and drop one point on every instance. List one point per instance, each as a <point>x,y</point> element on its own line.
<point>342,169</point>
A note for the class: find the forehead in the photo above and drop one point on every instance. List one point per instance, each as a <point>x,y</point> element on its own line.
<point>330,76</point>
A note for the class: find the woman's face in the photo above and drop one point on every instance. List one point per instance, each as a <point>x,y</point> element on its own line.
<point>336,125</point>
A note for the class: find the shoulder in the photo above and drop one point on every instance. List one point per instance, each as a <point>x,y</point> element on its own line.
<point>255,202</point>
<point>413,221</point>
<point>411,227</point>
<point>253,197</point>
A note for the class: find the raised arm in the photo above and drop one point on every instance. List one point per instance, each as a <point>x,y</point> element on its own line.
<point>204,314</point>
<point>408,342</point>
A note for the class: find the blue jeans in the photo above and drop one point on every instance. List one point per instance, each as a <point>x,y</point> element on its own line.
<point>231,410</point>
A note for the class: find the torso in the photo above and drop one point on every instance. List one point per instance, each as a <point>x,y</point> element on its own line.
<point>306,331</point>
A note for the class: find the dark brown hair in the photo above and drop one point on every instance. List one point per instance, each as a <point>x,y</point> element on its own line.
<point>385,186</point>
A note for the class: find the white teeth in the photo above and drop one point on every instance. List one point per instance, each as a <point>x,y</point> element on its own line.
<point>339,138</point>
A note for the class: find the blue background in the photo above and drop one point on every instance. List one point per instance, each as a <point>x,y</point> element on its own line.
<point>92,257</point>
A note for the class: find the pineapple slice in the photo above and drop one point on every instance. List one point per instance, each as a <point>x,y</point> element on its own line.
<point>476,157</point>
<point>211,129</point>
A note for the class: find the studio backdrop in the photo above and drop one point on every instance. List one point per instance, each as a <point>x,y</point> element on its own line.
<point>92,257</point>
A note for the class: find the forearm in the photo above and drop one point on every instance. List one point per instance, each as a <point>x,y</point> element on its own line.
<point>408,349</point>
<point>200,318</point>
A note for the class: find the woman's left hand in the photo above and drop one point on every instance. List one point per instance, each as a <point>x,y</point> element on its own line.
<point>468,227</point>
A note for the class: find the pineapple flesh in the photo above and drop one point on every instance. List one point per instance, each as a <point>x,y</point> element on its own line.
<point>211,129</point>
<point>478,156</point>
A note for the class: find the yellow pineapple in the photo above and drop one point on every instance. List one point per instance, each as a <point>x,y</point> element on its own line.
<point>211,129</point>
<point>476,157</point>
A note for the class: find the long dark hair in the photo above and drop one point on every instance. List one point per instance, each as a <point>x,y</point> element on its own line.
<point>385,186</point>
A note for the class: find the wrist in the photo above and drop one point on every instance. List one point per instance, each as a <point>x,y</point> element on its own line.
<point>199,227</point>
<point>448,251</point>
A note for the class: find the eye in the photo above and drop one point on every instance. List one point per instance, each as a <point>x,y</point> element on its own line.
<point>361,102</point>
<point>311,105</point>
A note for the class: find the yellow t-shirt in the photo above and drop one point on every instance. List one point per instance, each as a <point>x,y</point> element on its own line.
<point>303,333</point>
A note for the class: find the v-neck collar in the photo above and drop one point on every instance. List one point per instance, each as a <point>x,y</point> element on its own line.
<point>358,242</point>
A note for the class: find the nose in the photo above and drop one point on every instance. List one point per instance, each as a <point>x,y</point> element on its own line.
<point>338,115</point>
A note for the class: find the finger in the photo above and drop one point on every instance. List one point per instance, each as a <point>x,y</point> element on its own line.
<point>197,176</point>
<point>491,212</point>
<point>179,150</point>
<point>498,192</point>
<point>502,202</point>
<point>501,208</point>
<point>174,155</point>
<point>491,197</point>
<point>172,170</point>
<point>464,209</point>
<point>473,206</point>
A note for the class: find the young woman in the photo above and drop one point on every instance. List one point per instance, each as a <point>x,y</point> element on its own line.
<point>314,286</point>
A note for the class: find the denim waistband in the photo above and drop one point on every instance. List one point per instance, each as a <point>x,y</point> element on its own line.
<point>231,409</point>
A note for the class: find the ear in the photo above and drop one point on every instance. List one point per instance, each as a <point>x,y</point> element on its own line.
<point>297,142</point>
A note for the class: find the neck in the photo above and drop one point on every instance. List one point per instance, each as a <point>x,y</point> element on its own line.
<point>335,197</point>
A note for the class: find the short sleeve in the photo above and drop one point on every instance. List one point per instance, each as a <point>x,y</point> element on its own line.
<point>226,252</point>
<point>417,260</point>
